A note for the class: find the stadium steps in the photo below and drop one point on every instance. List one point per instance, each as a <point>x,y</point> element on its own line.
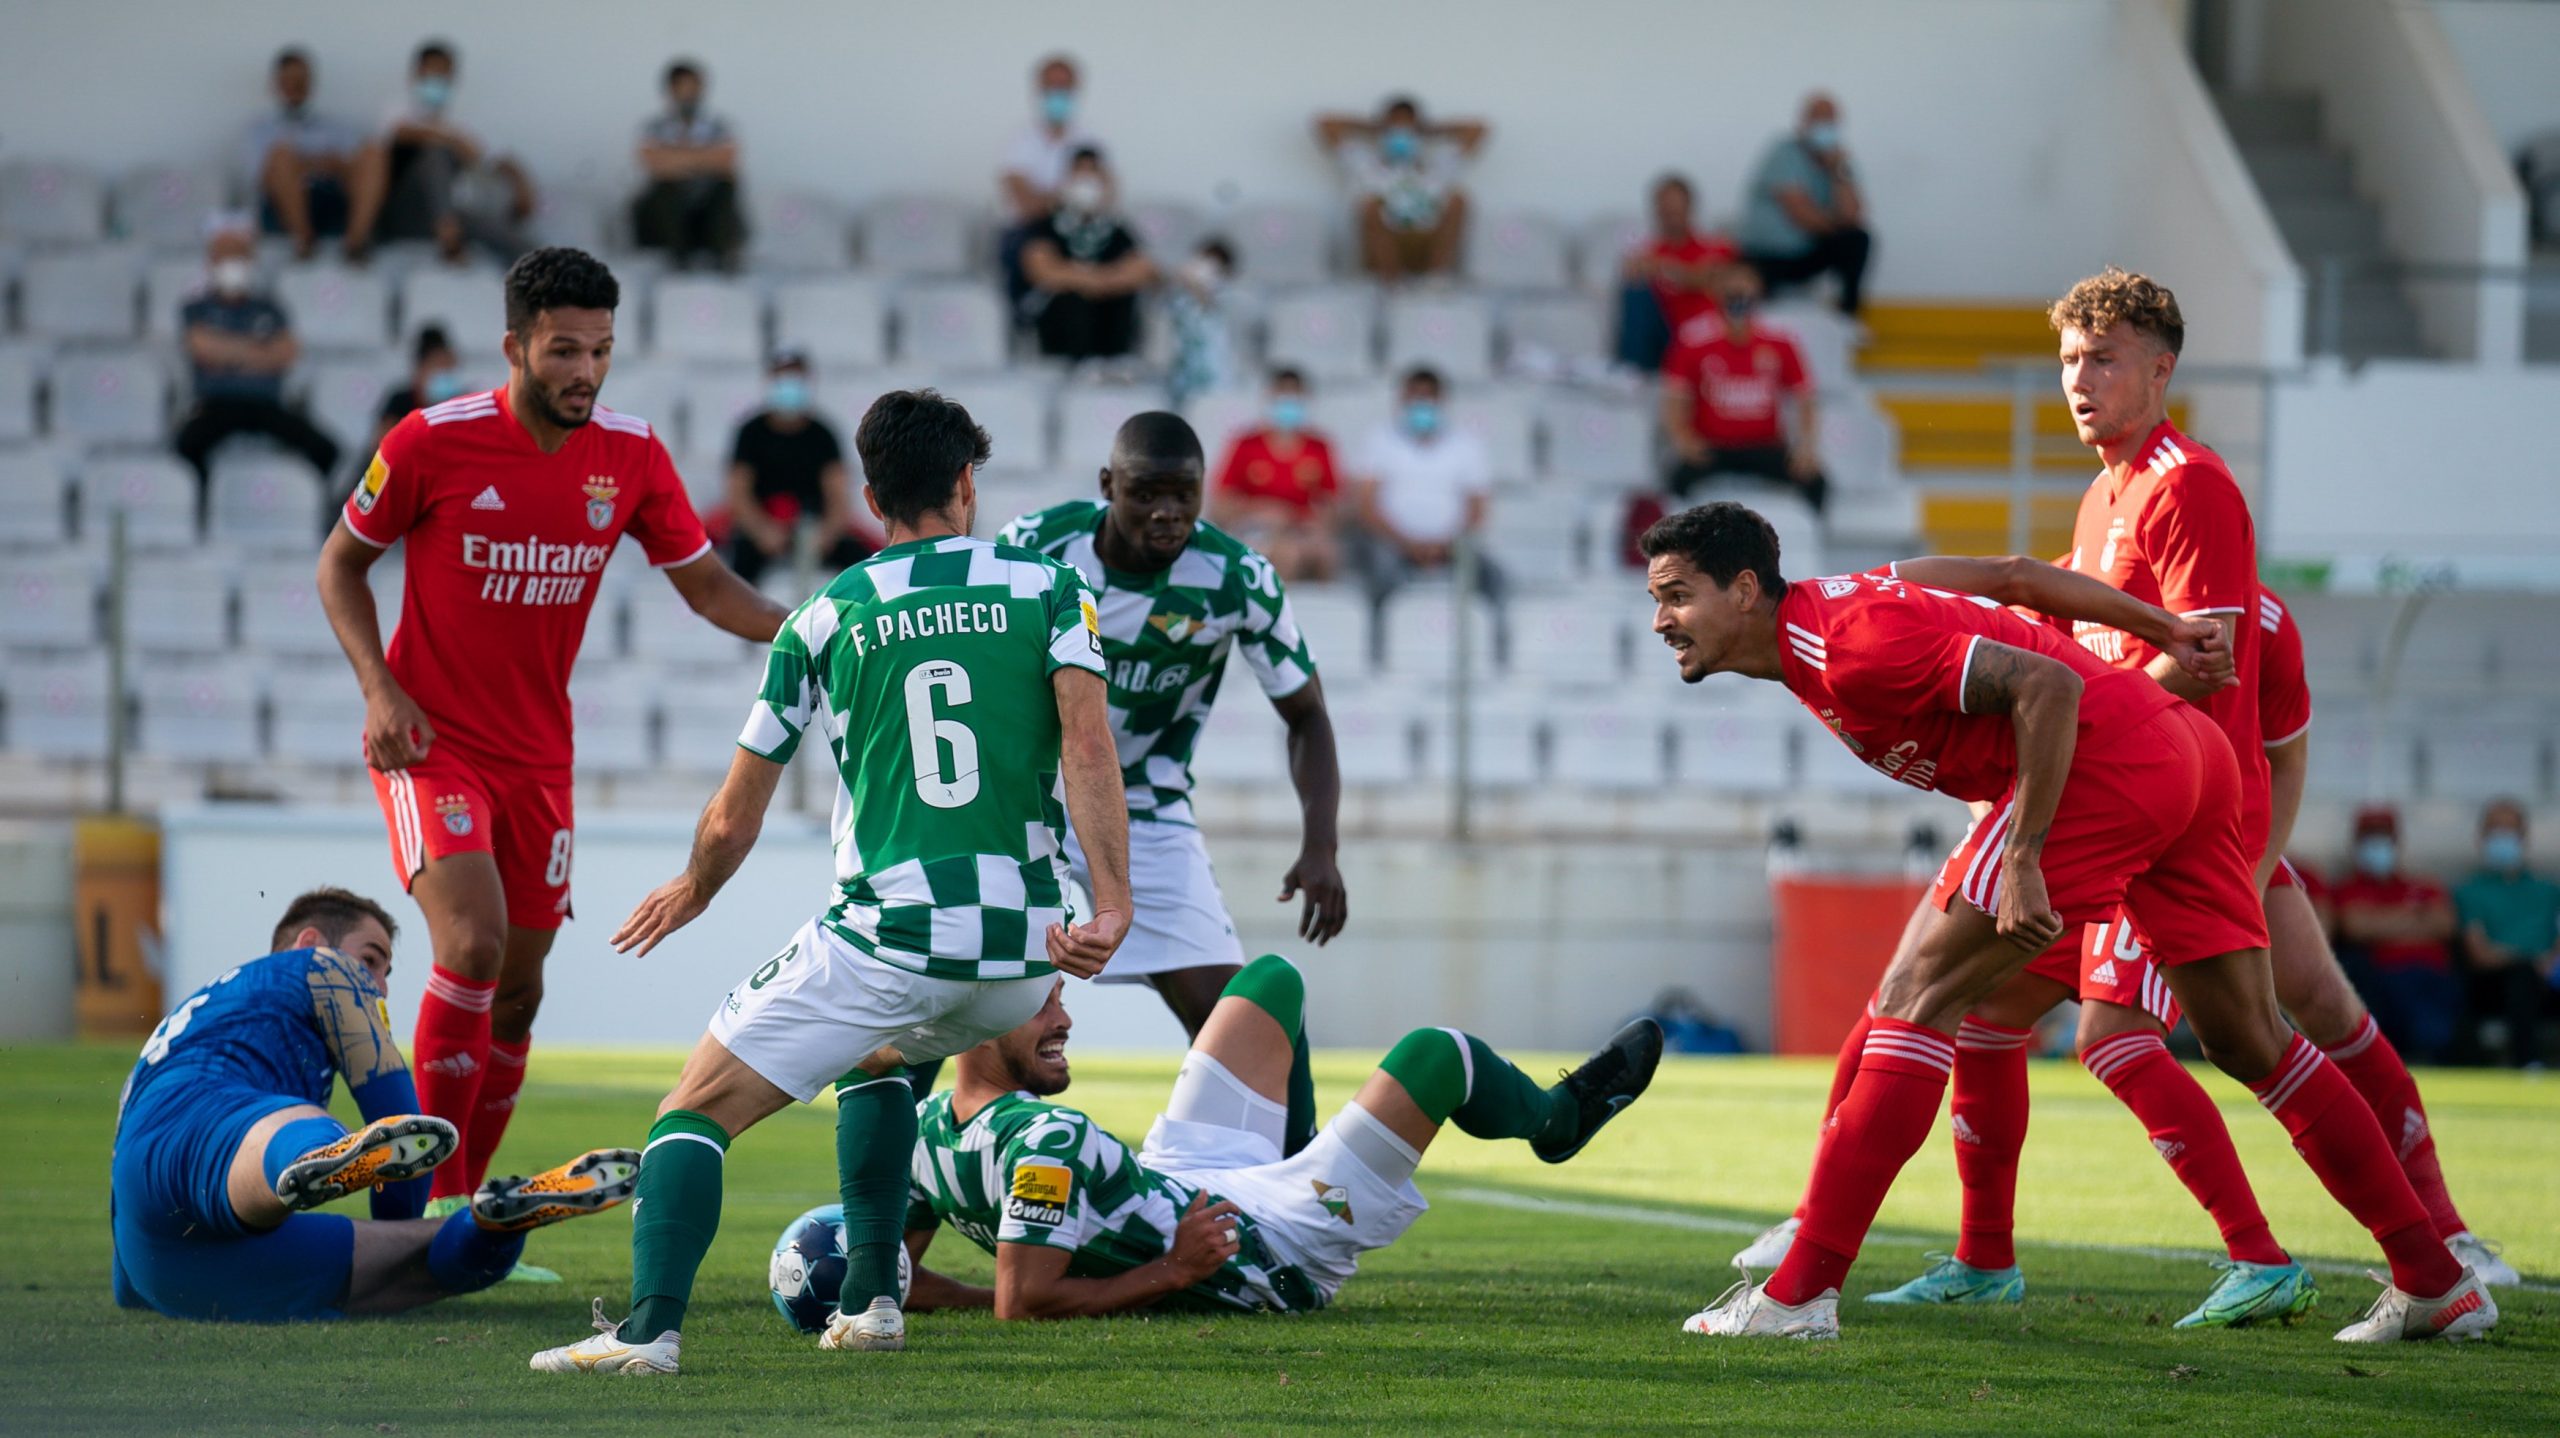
<point>2309,186</point>
<point>1970,515</point>
<point>1939,335</point>
<point>1970,431</point>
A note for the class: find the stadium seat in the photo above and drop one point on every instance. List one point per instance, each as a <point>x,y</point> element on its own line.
<point>167,284</point>
<point>1505,424</point>
<point>48,203</point>
<point>797,231</point>
<point>651,390</point>
<point>21,366</point>
<point>1220,415</point>
<point>83,294</point>
<point>612,707</point>
<point>1282,244</point>
<point>343,392</point>
<point>719,398</point>
<point>1858,443</point>
<point>1502,745</point>
<point>269,503</point>
<point>1826,338</point>
<point>1573,646</point>
<point>110,396</point>
<point>1799,528</point>
<point>34,512</point>
<point>1599,439</point>
<point>155,491</point>
<point>1738,750</point>
<point>57,708</point>
<point>179,607</point>
<point>844,396</point>
<point>335,307</point>
<point>705,317</point>
<point>1089,418</point>
<point>1544,333</point>
<point>923,235</point>
<point>1601,244</point>
<point>316,712</point>
<point>574,216</point>
<point>1421,623</point>
<point>1516,250</point>
<point>1013,408</point>
<point>951,326</point>
<point>665,631</point>
<point>836,320</point>
<point>280,613</point>
<point>163,206</point>
<point>1326,332</point>
<point>1335,620</point>
<point>203,712</point>
<point>1451,332</point>
<point>1243,742</point>
<point>705,473</point>
<point>52,601</point>
<point>471,304</point>
<point>1170,230</point>
<point>700,713</point>
<point>1607,746</point>
<point>1349,414</point>
<point>2479,756</point>
<point>1374,742</point>
<point>1004,498</point>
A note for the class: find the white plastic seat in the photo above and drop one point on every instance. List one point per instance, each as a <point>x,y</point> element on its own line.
<point>179,607</point>
<point>1552,331</point>
<point>84,294</point>
<point>1421,624</point>
<point>665,631</point>
<point>1282,244</point>
<point>700,714</point>
<point>33,511</point>
<point>2476,760</point>
<point>164,206</point>
<point>1606,746</point>
<point>833,319</point>
<point>1014,411</point>
<point>705,317</point>
<point>268,503</point>
<point>1601,246</point>
<point>1737,751</point>
<point>1516,250</point>
<point>1449,332</point>
<point>1506,425</point>
<point>1090,416</point>
<point>316,711</point>
<point>1599,440</point>
<point>916,235</point>
<point>797,231</point>
<point>168,283</point>
<point>1326,333</point>
<point>57,707</point>
<point>50,203</point>
<point>1825,339</point>
<point>21,367</point>
<point>343,393</point>
<point>1373,742</point>
<point>843,397</point>
<point>718,399</point>
<point>1219,415</point>
<point>1335,621</point>
<point>573,216</point>
<point>1004,498</point>
<point>1349,414</point>
<point>612,706</point>
<point>48,601</point>
<point>1502,746</point>
<point>650,390</point>
<point>154,491</point>
<point>470,303</point>
<point>705,473</point>
<point>280,613</point>
<point>951,326</point>
<point>1570,647</point>
<point>1170,230</point>
<point>335,307</point>
<point>204,712</point>
<point>110,396</point>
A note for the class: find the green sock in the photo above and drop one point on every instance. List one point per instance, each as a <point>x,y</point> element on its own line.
<point>1273,984</point>
<point>674,1213</point>
<point>1457,1077</point>
<point>1301,1124</point>
<point>875,1137</point>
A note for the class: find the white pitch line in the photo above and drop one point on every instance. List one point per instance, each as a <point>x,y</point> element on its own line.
<point>1704,1223</point>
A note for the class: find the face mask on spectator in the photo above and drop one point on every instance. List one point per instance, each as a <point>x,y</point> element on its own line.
<point>1736,307</point>
<point>432,92</point>
<point>1081,193</point>
<point>1822,136</point>
<point>1400,143</point>
<point>2502,850</point>
<point>1422,417</point>
<point>1288,413</point>
<point>443,385</point>
<point>687,109</point>
<point>234,276</point>
<point>1058,106</point>
<point>789,393</point>
<point>2377,855</point>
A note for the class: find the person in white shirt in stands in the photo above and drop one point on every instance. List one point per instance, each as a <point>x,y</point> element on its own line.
<point>418,181</point>
<point>298,160</point>
<point>1036,164</point>
<point>1404,178</point>
<point>1418,484</point>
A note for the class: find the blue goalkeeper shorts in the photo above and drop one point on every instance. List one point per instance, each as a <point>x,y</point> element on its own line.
<point>179,1249</point>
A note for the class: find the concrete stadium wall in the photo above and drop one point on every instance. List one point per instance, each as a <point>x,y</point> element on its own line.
<point>2508,49</point>
<point>1971,119</point>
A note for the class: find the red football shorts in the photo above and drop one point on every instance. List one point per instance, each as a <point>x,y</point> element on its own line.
<point>2149,826</point>
<point>2105,962</point>
<point>445,804</point>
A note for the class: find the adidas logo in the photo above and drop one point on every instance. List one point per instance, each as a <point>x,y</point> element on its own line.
<point>489,499</point>
<point>452,1065</point>
<point>2104,973</point>
<point>2169,1148</point>
<point>1965,1133</point>
<point>2413,1132</point>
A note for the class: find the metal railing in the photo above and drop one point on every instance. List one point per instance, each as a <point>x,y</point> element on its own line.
<point>2335,279</point>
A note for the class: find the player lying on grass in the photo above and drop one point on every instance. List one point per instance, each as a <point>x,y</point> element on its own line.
<point>223,1144</point>
<point>2111,799</point>
<point>1208,1214</point>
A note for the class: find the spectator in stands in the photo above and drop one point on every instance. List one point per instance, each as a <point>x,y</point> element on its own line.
<point>1404,175</point>
<point>1035,164</point>
<point>239,345</point>
<point>787,470</point>
<point>1668,279</point>
<point>1804,216</point>
<point>435,375</point>
<point>1196,300</point>
<point>428,178</point>
<point>1086,269</point>
<point>299,159</point>
<point>1418,485</point>
<point>2511,931</point>
<point>2398,930</point>
<point>1277,487</point>
<point>689,207</point>
<point>1737,401</point>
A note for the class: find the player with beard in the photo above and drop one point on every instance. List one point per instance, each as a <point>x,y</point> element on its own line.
<point>509,502</point>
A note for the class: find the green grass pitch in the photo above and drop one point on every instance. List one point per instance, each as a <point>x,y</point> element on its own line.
<point>1493,1315</point>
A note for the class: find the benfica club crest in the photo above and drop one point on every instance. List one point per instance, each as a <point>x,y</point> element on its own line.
<point>601,491</point>
<point>457,814</point>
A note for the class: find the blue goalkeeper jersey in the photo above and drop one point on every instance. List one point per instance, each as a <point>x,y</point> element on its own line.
<point>276,1025</point>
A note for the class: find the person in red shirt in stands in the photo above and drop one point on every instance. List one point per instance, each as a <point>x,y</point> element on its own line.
<point>2403,925</point>
<point>1736,399</point>
<point>1277,487</point>
<point>1670,277</point>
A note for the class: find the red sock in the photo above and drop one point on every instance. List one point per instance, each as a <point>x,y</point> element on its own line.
<point>2374,1067</point>
<point>1902,1073</point>
<point>2189,1132</point>
<point>451,1050</point>
<point>2336,1134</point>
<point>1842,1072</point>
<point>1990,1121</point>
<point>489,1115</point>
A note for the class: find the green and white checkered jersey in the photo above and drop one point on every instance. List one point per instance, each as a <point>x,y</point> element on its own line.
<point>1167,636</point>
<point>1024,1170</point>
<point>927,669</point>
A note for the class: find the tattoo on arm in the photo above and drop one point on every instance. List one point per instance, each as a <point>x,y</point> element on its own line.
<point>1993,676</point>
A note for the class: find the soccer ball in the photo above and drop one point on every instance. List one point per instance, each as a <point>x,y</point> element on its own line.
<point>808,1268</point>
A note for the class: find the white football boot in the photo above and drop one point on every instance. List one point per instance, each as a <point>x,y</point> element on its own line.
<point>1747,1311</point>
<point>1770,1248</point>
<point>607,1353</point>
<point>2483,1258</point>
<point>2465,1311</point>
<point>881,1328</point>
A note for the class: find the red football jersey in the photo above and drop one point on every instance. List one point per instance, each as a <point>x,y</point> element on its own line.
<point>1681,306</point>
<point>1882,662</point>
<point>1734,384</point>
<point>1255,470</point>
<point>2284,694</point>
<point>2178,534</point>
<point>506,545</point>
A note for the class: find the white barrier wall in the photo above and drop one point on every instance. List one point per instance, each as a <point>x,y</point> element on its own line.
<point>1970,119</point>
<point>2510,50</point>
<point>1531,945</point>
